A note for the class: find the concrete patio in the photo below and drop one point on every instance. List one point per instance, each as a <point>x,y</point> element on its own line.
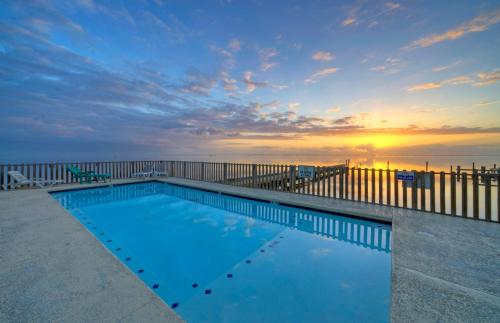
<point>53,269</point>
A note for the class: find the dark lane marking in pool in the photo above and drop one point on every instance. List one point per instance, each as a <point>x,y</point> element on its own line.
<point>248,261</point>
<point>208,291</point>
<point>128,259</point>
<point>195,285</point>
<point>229,275</point>
<point>110,240</point>
<point>140,271</point>
<point>155,286</point>
<point>262,250</point>
<point>118,249</point>
<point>174,305</point>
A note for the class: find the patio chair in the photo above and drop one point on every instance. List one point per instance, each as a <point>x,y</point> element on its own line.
<point>147,171</point>
<point>20,179</point>
<point>87,176</point>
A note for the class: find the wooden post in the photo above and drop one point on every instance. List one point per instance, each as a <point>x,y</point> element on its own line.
<point>323,180</point>
<point>293,178</point>
<point>254,175</point>
<point>396,189</point>
<point>346,175</point>
<point>366,185</point>
<point>414,200</point>
<point>475,194</point>
<point>433,192</point>
<point>442,193</point>
<point>453,193</point>
<point>359,184</point>
<point>335,183</point>
<point>422,191</point>
<point>405,194</point>
<point>487,197</point>
<point>464,194</point>
<point>341,183</point>
<point>388,187</point>
<point>352,183</point>
<point>498,197</point>
<point>373,186</point>
<point>329,178</point>
<point>380,187</point>
<point>2,175</point>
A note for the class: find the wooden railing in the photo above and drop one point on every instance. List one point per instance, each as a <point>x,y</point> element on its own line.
<point>472,195</point>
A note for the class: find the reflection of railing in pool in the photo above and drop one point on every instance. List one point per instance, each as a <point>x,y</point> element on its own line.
<point>362,233</point>
<point>366,234</point>
<point>90,197</point>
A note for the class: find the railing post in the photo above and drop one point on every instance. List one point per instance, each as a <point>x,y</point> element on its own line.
<point>433,192</point>
<point>380,187</point>
<point>442,192</point>
<point>254,175</point>
<point>414,186</point>
<point>464,195</point>
<point>475,194</point>
<point>396,189</point>
<point>225,173</point>
<point>388,186</point>
<point>202,171</point>
<point>184,169</point>
<point>293,177</point>
<point>487,197</point>
<point>422,190</point>
<point>453,193</point>
<point>366,185</point>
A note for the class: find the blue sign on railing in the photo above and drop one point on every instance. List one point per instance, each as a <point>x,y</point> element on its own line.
<point>405,176</point>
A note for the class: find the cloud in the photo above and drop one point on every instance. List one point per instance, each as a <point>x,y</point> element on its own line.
<point>478,24</point>
<point>446,67</point>
<point>234,45</point>
<point>480,79</point>
<point>333,110</point>
<point>349,21</point>
<point>322,56</point>
<point>487,78</point>
<point>392,5</point>
<point>198,83</point>
<point>265,55</point>
<point>268,53</point>
<point>391,65</point>
<point>265,66</point>
<point>293,106</point>
<point>230,60</point>
<point>424,87</point>
<point>363,14</point>
<point>487,103</point>
<point>252,85</point>
<point>228,83</point>
<point>320,74</point>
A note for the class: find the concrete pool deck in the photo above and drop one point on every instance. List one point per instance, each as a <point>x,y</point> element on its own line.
<point>53,269</point>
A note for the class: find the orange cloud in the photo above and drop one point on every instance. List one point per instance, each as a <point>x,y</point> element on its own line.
<point>320,74</point>
<point>478,24</point>
<point>322,56</point>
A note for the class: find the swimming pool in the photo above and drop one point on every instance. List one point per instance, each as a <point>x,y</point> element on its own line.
<point>219,258</point>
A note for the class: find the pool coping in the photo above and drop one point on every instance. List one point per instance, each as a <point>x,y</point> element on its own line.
<point>421,273</point>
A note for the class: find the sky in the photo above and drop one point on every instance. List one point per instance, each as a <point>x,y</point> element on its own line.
<point>109,80</point>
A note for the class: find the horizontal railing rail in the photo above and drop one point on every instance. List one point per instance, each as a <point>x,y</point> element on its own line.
<point>474,194</point>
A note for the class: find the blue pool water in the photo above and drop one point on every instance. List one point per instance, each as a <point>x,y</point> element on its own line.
<point>217,258</point>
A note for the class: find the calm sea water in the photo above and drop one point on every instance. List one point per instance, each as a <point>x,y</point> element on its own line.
<point>216,258</point>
